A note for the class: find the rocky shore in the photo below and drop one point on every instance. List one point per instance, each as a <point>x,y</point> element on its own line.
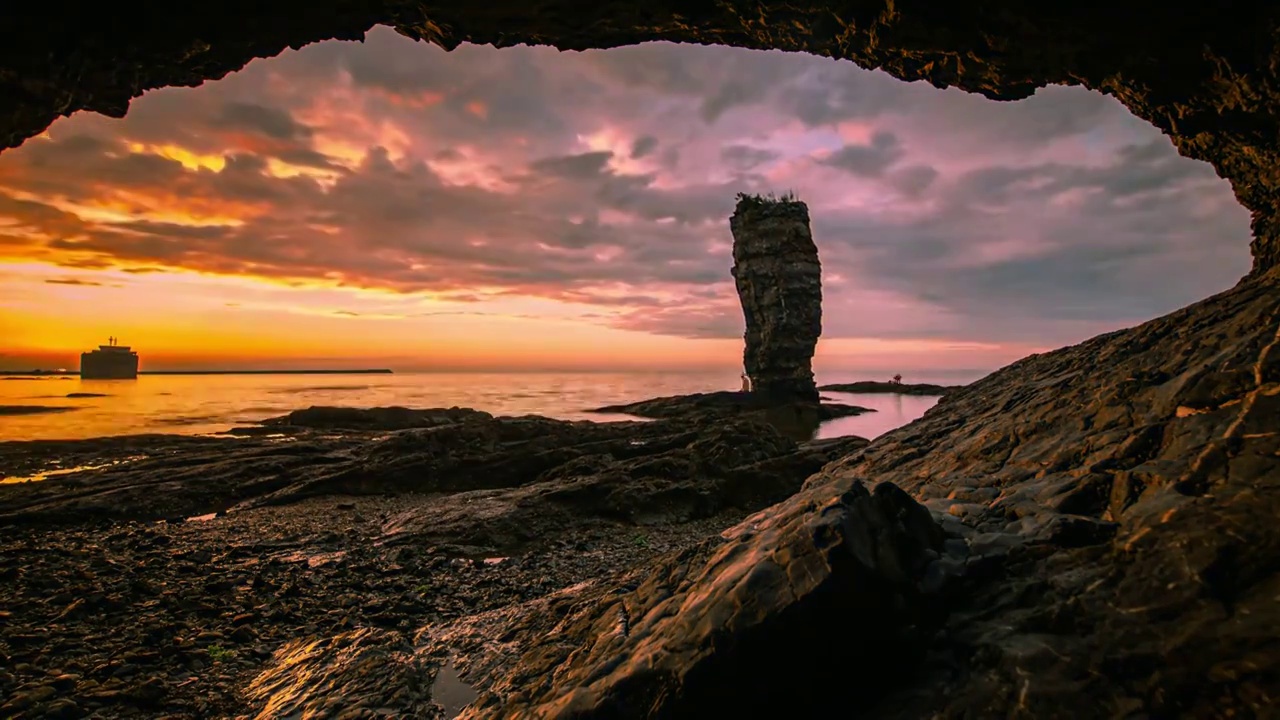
<point>1087,533</point>
<point>873,386</point>
<point>797,420</point>
<point>198,576</point>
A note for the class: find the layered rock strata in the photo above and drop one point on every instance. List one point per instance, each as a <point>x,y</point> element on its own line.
<point>779,281</point>
<point>1107,548</point>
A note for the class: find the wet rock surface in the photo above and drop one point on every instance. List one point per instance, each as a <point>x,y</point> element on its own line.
<point>179,620</point>
<point>779,282</point>
<point>745,609</point>
<point>632,469</point>
<point>388,418</point>
<point>24,458</point>
<point>1099,543</point>
<point>315,587</point>
<point>1120,495</point>
<point>1056,540</point>
<point>873,386</point>
<point>797,420</point>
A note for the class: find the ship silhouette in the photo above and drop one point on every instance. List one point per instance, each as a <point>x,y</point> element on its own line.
<point>109,362</point>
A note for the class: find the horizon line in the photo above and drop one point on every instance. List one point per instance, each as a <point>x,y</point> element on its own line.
<point>490,371</point>
<point>358,371</point>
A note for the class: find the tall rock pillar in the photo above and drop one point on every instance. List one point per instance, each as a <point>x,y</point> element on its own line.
<point>779,279</point>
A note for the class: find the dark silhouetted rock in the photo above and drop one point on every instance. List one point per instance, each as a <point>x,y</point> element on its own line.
<point>796,420</point>
<point>723,404</point>
<point>387,418</point>
<point>31,409</point>
<point>779,281</point>
<point>630,471</point>
<point>872,386</point>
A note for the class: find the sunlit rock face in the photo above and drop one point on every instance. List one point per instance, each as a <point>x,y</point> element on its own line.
<point>1087,533</point>
<point>779,280</point>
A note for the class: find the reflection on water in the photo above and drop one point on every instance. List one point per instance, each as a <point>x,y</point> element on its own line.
<point>892,411</point>
<point>202,404</point>
<point>797,422</point>
<point>451,692</point>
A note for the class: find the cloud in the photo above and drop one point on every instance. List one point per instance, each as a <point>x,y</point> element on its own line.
<point>870,159</point>
<point>604,180</point>
<point>642,146</point>
<point>745,157</point>
<point>581,166</point>
<point>914,180</point>
<point>268,121</point>
<point>72,281</point>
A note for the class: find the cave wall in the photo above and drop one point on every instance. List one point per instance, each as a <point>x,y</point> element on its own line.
<point>1206,74</point>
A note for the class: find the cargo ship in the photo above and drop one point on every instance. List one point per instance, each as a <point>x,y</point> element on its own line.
<point>109,362</point>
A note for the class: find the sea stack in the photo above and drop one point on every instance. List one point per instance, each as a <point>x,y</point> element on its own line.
<point>779,280</point>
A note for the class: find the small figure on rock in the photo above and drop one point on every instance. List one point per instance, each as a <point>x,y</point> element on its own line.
<point>897,379</point>
<point>746,383</point>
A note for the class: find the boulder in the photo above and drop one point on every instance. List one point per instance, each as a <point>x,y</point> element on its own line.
<point>823,591</point>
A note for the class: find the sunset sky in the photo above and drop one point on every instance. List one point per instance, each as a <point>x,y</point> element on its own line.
<point>387,203</point>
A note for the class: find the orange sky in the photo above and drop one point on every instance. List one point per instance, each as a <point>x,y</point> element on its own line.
<point>188,321</point>
<point>389,205</point>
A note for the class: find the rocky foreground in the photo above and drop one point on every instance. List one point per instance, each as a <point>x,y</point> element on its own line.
<point>311,564</point>
<point>1088,533</point>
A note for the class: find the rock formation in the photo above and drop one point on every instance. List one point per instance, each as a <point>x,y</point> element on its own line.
<point>779,280</point>
<point>796,420</point>
<point>876,387</point>
<point>1110,549</point>
<point>547,473</point>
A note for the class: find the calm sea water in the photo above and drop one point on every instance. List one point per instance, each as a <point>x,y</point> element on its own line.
<point>198,404</point>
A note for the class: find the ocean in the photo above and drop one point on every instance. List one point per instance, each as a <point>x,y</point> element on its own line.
<point>203,404</point>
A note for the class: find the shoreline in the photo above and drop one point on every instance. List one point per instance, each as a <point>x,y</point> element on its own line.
<point>196,574</point>
<point>869,387</point>
<point>187,420</point>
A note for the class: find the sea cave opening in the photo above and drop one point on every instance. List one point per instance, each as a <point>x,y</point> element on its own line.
<point>535,210</point>
<point>1088,530</point>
